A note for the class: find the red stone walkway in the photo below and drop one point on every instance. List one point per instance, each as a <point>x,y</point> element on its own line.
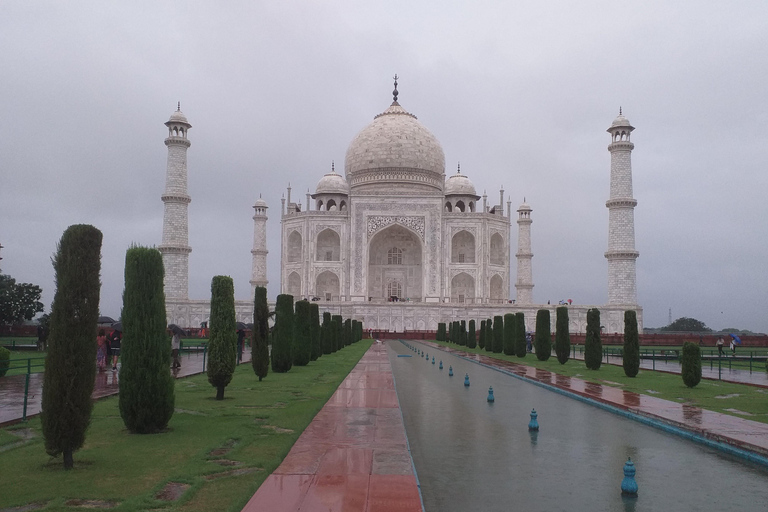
<point>12,387</point>
<point>738,432</point>
<point>353,457</point>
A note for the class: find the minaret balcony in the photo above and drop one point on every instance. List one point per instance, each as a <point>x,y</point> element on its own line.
<point>177,141</point>
<point>621,202</point>
<point>622,255</point>
<point>176,198</point>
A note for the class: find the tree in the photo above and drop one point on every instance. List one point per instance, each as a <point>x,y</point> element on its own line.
<point>70,367</point>
<point>631,352</point>
<point>222,341</point>
<point>440,331</point>
<point>472,336</point>
<point>593,348</point>
<point>489,335</point>
<point>18,301</point>
<point>260,335</point>
<point>463,333</point>
<point>146,397</point>
<point>336,329</point>
<point>282,356</point>
<point>498,334</point>
<point>325,334</point>
<point>509,334</point>
<point>347,332</point>
<point>355,339</point>
<point>562,335</point>
<point>687,324</point>
<point>520,341</point>
<point>691,364</point>
<point>5,360</point>
<point>314,331</point>
<point>481,340</point>
<point>302,334</point>
<point>543,335</point>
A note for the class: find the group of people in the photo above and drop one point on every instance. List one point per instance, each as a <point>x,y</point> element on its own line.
<point>106,347</point>
<point>720,343</point>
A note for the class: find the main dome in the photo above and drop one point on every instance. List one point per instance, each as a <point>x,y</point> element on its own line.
<point>395,149</point>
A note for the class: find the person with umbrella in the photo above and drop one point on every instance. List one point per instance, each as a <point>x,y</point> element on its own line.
<point>734,340</point>
<point>176,344</point>
<point>113,341</point>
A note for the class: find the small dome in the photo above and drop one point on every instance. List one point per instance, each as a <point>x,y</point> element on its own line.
<point>459,185</point>
<point>524,207</point>
<point>178,117</point>
<point>620,121</point>
<point>332,183</point>
<point>260,203</point>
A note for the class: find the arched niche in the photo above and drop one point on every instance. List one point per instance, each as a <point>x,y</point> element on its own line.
<point>497,289</point>
<point>463,247</point>
<point>328,246</point>
<point>294,285</point>
<point>327,286</point>
<point>395,255</point>
<point>294,247</point>
<point>497,249</point>
<point>463,288</point>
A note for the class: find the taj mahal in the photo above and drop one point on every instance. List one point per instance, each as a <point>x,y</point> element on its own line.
<point>395,244</point>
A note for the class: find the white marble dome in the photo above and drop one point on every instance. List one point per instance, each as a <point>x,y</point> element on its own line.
<point>459,185</point>
<point>397,148</point>
<point>332,183</point>
<point>620,121</point>
<point>178,117</point>
<point>260,203</point>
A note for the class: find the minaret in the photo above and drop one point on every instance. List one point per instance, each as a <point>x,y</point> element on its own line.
<point>175,245</point>
<point>524,255</point>
<point>259,251</point>
<point>621,254</point>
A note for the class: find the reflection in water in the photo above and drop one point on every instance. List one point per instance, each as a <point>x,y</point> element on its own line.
<point>562,380</point>
<point>534,434</point>
<point>629,503</point>
<point>593,389</point>
<point>631,399</point>
<point>692,413</point>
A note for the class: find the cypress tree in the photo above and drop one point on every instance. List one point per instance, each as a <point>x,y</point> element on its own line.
<point>543,335</point>
<point>481,338</point>
<point>70,367</point>
<point>593,348</point>
<point>325,333</point>
<point>260,336</point>
<point>463,333</point>
<point>346,332</point>
<point>338,342</point>
<point>489,335</point>
<point>146,397</point>
<point>441,331</point>
<point>314,330</point>
<point>691,361</point>
<point>354,332</point>
<point>222,342</point>
<point>631,352</point>
<point>509,334</point>
<point>562,335</point>
<point>471,337</point>
<point>282,344</point>
<point>498,334</point>
<point>520,342</point>
<point>360,330</point>
<point>302,334</point>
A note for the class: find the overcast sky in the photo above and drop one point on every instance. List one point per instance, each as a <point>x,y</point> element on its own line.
<point>520,93</point>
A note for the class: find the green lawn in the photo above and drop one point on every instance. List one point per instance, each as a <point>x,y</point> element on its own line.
<point>21,360</point>
<point>718,396</point>
<point>251,431</point>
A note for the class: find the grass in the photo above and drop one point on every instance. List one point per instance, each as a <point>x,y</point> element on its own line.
<point>254,426</point>
<point>718,396</point>
<point>18,362</point>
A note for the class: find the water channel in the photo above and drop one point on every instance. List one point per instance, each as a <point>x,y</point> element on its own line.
<point>470,455</point>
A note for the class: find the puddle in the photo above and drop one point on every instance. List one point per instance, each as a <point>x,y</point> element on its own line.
<point>172,491</point>
<point>234,472</point>
<point>92,504</point>
<point>740,413</point>
<point>278,430</point>
<point>732,395</point>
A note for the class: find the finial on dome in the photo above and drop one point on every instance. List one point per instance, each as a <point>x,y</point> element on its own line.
<point>178,107</point>
<point>524,199</point>
<point>458,171</point>
<point>394,93</point>
<point>620,111</point>
<point>333,166</point>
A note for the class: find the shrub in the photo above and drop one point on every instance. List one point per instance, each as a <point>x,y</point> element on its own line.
<point>471,336</point>
<point>70,367</point>
<point>691,362</point>
<point>520,342</point>
<point>282,334</point>
<point>593,348</point>
<point>543,335</point>
<point>260,336</point>
<point>498,334</point>
<point>325,334</point>
<point>562,335</point>
<point>302,334</point>
<point>146,397</point>
<point>481,338</point>
<point>440,331</point>
<point>355,339</point>
<point>489,335</point>
<point>314,331</point>
<point>337,327</point>
<point>222,341</point>
<point>463,333</point>
<point>509,334</point>
<point>631,352</point>
<point>5,360</point>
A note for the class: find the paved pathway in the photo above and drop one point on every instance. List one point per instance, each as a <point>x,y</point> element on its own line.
<point>758,376</point>
<point>353,456</point>
<point>12,387</point>
<point>739,432</point>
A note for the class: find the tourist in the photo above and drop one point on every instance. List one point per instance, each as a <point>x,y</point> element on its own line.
<point>175,347</point>
<point>101,350</point>
<point>114,347</point>
<point>733,347</point>
<point>240,341</point>
<point>719,345</point>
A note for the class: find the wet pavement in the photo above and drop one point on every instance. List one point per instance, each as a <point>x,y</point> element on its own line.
<point>709,368</point>
<point>353,456</point>
<point>731,430</point>
<point>106,384</point>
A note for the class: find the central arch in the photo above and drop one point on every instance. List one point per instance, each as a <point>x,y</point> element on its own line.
<point>395,264</point>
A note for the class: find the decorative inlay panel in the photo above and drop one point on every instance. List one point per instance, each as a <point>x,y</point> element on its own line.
<point>377,222</point>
